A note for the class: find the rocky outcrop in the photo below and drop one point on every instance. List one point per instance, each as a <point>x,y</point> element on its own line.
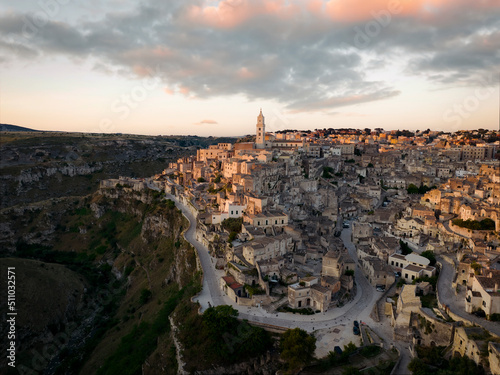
<point>154,226</point>
<point>31,175</point>
<point>264,365</point>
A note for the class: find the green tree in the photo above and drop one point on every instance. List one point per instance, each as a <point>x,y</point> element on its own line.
<point>327,172</point>
<point>476,267</point>
<point>297,348</point>
<point>405,249</point>
<point>350,370</point>
<point>412,189</point>
<point>417,367</point>
<point>145,296</point>
<point>429,254</point>
<point>232,236</point>
<point>220,318</point>
<point>232,224</point>
<point>349,348</point>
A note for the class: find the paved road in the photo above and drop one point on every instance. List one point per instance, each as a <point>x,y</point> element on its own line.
<point>456,303</point>
<point>359,309</point>
<point>446,224</point>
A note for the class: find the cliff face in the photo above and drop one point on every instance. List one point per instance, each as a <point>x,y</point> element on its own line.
<point>92,269</point>
<point>38,166</point>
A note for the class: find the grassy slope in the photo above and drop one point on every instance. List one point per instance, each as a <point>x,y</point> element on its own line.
<point>162,264</point>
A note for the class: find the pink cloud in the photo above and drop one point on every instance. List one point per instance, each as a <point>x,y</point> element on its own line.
<point>245,73</point>
<point>184,90</point>
<point>168,91</point>
<point>142,71</point>
<point>206,122</point>
<point>141,54</point>
<point>161,51</point>
<point>232,13</point>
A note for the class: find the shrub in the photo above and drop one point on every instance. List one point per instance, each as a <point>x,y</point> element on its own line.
<point>145,296</point>
<point>297,348</point>
<point>485,224</point>
<point>232,224</point>
<point>494,317</point>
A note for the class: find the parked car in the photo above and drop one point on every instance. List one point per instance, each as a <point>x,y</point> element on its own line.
<point>356,324</point>
<point>380,288</point>
<point>356,331</point>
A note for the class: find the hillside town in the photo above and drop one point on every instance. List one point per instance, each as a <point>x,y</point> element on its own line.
<point>291,218</point>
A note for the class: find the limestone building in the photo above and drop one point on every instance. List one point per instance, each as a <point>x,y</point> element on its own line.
<point>260,138</point>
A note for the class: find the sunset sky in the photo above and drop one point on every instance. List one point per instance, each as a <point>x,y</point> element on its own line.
<point>207,67</point>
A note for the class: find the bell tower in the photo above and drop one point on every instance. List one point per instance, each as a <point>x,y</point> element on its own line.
<point>260,139</point>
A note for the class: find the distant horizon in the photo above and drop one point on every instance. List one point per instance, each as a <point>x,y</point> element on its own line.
<point>28,129</point>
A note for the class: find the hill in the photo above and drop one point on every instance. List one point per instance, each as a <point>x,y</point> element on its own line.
<point>43,165</point>
<point>15,128</point>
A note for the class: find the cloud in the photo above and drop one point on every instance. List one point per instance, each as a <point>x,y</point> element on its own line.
<point>328,103</point>
<point>300,53</point>
<point>207,122</point>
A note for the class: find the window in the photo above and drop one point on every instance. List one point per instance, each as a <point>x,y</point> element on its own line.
<point>231,212</point>
<point>283,221</point>
<point>413,277</point>
<point>275,221</point>
<point>392,263</point>
<point>236,212</point>
<point>406,275</point>
<point>258,222</point>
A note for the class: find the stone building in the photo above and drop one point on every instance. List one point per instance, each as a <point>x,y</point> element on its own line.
<point>377,271</point>
<point>308,293</point>
<point>468,341</point>
<point>494,357</point>
<point>484,294</point>
<point>411,266</point>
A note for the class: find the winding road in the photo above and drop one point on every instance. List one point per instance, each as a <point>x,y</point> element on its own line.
<point>455,302</point>
<point>359,309</point>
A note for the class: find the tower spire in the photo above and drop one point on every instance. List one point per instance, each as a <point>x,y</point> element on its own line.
<point>260,139</point>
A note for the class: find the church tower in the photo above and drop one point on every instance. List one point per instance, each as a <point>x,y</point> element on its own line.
<point>260,139</point>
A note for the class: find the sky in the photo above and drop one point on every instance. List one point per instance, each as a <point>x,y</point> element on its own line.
<point>205,67</point>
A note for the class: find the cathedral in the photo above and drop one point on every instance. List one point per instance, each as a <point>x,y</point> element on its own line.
<point>260,139</point>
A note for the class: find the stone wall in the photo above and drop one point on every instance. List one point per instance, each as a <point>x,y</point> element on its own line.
<point>469,233</point>
<point>438,332</point>
<point>494,357</point>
